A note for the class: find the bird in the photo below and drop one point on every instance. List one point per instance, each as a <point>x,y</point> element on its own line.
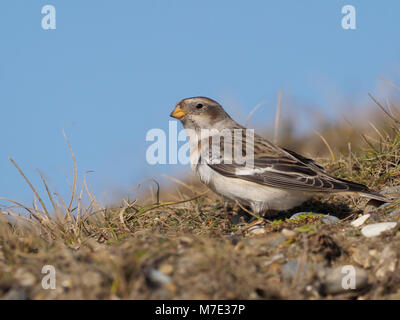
<point>277,178</point>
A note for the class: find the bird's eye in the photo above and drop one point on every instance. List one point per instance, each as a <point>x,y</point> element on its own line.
<point>199,106</point>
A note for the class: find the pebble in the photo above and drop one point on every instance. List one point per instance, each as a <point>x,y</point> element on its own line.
<point>327,219</point>
<point>233,238</point>
<point>387,262</point>
<point>91,279</point>
<point>274,239</point>
<point>374,205</point>
<point>360,221</point>
<point>375,229</point>
<point>289,269</point>
<point>273,259</point>
<point>289,234</point>
<point>166,269</point>
<point>257,230</point>
<point>338,280</point>
<point>387,191</point>
<point>157,279</point>
<point>236,219</point>
<point>67,283</point>
<point>362,256</point>
<point>26,278</point>
<point>331,280</point>
<point>370,209</point>
<point>15,294</point>
<point>395,213</point>
<point>383,206</point>
<point>184,240</point>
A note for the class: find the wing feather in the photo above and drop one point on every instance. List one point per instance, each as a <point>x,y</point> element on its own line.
<point>283,168</point>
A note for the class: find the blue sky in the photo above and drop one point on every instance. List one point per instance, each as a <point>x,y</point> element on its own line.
<point>112,70</point>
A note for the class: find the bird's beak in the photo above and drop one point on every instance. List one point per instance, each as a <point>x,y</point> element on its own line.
<point>178,113</point>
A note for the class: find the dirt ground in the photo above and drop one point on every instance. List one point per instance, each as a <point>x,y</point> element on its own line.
<point>203,251</point>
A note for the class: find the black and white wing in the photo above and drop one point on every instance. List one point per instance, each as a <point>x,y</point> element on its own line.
<point>282,168</point>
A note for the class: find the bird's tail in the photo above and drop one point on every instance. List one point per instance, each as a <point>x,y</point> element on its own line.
<point>376,196</point>
<point>365,191</point>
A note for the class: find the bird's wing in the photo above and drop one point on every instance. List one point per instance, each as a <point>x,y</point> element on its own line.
<point>281,168</point>
<point>286,174</point>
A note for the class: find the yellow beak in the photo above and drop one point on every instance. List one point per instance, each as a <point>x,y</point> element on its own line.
<point>178,113</point>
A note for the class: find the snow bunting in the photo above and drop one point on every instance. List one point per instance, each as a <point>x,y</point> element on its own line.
<point>270,179</point>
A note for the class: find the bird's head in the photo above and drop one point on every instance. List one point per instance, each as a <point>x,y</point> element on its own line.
<point>202,112</point>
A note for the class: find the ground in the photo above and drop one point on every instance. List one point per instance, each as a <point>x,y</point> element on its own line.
<point>200,251</point>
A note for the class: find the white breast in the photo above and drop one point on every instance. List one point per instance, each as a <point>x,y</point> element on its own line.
<point>259,197</point>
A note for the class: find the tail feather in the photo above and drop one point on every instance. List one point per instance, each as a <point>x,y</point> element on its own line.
<point>376,196</point>
<point>365,191</point>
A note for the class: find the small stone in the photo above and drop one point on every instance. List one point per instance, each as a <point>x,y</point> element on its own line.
<point>387,262</point>
<point>299,215</point>
<point>25,278</point>
<point>274,239</point>
<point>362,257</point>
<point>374,253</point>
<point>390,191</point>
<point>171,287</point>
<point>157,279</point>
<point>185,240</point>
<point>290,234</point>
<point>327,219</point>
<point>290,269</point>
<point>338,280</point>
<point>15,294</point>
<point>233,238</point>
<point>383,206</point>
<point>275,268</point>
<point>375,229</point>
<point>395,213</point>
<point>274,259</point>
<point>66,283</point>
<point>274,282</point>
<point>360,221</point>
<point>369,209</point>
<point>91,279</point>
<point>166,269</point>
<point>374,206</point>
<point>257,230</point>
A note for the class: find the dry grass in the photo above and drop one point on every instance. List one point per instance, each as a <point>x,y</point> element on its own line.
<point>196,248</point>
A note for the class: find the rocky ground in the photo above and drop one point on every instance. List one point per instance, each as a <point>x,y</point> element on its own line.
<point>200,252</point>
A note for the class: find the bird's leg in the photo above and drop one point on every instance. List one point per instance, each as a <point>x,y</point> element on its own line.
<point>226,205</point>
<point>270,214</point>
<point>230,213</point>
<point>252,214</point>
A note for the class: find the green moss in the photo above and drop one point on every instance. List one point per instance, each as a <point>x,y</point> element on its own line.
<point>310,229</point>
